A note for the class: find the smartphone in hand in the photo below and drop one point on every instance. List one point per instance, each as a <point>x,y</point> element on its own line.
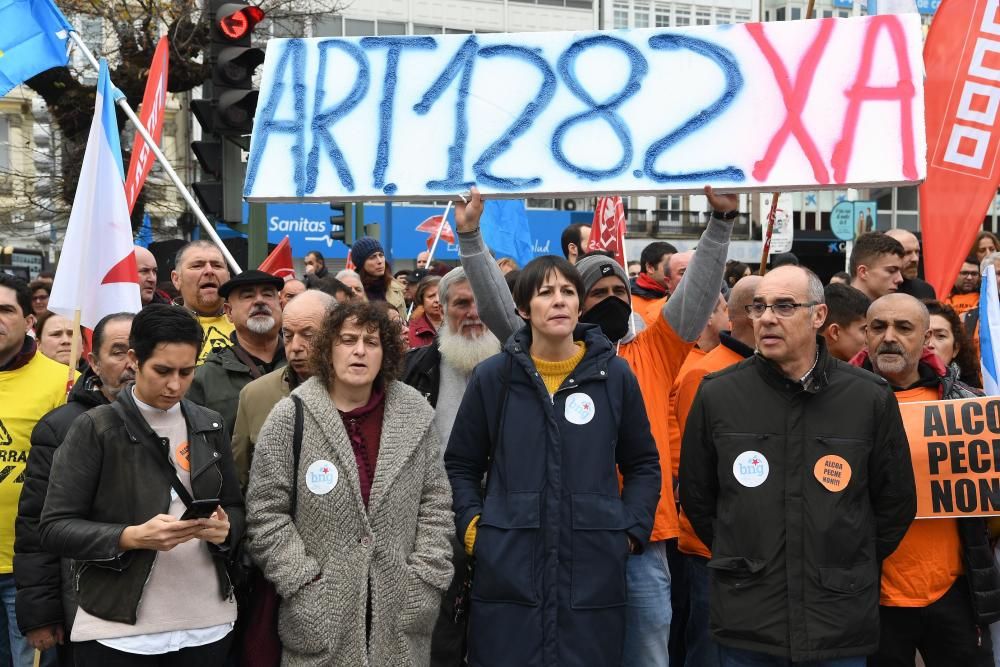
<point>200,509</point>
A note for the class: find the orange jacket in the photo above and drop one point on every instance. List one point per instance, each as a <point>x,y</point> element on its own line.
<point>655,356</point>
<point>682,395</point>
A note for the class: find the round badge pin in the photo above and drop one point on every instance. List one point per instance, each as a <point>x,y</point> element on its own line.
<point>833,472</point>
<point>751,469</point>
<point>579,409</point>
<point>321,477</point>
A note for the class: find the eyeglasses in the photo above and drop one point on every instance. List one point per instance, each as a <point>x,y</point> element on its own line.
<point>784,309</point>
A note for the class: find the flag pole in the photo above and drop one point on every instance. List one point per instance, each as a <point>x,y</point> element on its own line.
<point>74,351</point>
<point>769,230</point>
<point>430,253</point>
<point>162,159</point>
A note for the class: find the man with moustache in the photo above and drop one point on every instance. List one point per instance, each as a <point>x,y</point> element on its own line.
<point>199,270</point>
<point>300,322</point>
<point>441,371</point>
<point>940,589</point>
<point>253,350</point>
<point>44,603</point>
<point>795,550</point>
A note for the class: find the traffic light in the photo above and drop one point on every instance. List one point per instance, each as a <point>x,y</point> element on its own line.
<point>227,108</point>
<point>342,222</point>
<point>233,60</point>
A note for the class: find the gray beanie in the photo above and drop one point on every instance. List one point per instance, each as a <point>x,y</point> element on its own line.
<point>594,267</point>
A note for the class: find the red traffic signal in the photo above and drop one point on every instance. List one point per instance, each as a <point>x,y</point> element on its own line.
<point>235,21</point>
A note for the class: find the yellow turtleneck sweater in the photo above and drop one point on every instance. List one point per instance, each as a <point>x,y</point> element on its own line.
<point>553,373</point>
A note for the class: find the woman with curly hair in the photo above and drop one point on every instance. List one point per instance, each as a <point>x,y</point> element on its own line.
<point>353,531</point>
<point>952,344</point>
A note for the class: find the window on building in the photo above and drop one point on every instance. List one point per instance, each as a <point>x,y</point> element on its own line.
<point>4,142</point>
<point>796,13</point>
<point>619,15</point>
<point>670,209</point>
<point>640,12</point>
<point>358,28</point>
<point>661,16</point>
<point>288,27</point>
<point>779,14</point>
<point>391,28</point>
<point>827,13</point>
<point>580,4</point>
<point>742,17</point>
<point>682,15</point>
<point>327,26</point>
<point>703,17</point>
<point>426,30</point>
<point>843,13</point>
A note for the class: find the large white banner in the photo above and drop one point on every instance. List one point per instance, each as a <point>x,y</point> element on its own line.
<point>797,105</point>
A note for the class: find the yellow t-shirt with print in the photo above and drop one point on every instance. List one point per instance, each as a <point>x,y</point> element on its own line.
<point>26,395</point>
<point>217,332</point>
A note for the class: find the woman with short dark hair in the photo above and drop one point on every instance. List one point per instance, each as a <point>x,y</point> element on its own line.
<point>550,422</point>
<point>952,344</point>
<point>353,532</point>
<point>143,495</point>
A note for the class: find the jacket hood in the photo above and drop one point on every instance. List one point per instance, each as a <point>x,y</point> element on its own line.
<point>87,390</point>
<point>600,351</point>
<point>644,286</point>
<point>726,338</point>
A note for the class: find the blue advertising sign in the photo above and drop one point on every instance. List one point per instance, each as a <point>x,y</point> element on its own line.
<point>308,228</point>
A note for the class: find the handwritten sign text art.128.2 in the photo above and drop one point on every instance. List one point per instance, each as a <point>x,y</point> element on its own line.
<point>829,103</point>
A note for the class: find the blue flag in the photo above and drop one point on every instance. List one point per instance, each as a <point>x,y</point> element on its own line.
<point>33,36</point>
<point>145,235</point>
<point>505,229</point>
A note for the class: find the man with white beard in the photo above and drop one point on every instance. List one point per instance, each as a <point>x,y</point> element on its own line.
<point>253,307</point>
<point>440,371</point>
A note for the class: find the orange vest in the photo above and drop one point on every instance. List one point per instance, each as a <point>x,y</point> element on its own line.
<point>655,356</point>
<point>681,398</point>
<point>963,302</point>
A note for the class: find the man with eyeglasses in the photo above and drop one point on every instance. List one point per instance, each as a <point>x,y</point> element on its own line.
<point>795,473</point>
<point>965,294</point>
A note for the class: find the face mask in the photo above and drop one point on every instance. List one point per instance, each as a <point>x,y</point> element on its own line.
<point>611,315</point>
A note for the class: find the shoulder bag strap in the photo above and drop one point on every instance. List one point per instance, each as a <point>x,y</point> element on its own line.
<point>296,452</point>
<point>164,460</point>
<point>242,355</point>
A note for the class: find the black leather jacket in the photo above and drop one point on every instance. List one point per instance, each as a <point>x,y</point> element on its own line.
<point>106,476</point>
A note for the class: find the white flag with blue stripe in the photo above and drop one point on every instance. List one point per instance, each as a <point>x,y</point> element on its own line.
<point>989,332</point>
<point>97,271</point>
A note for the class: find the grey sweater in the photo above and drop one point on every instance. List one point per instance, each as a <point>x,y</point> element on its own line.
<point>686,311</point>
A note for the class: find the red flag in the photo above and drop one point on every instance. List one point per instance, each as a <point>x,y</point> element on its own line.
<point>154,105</point>
<point>608,230</point>
<point>431,224</point>
<point>961,97</point>
<point>279,262</point>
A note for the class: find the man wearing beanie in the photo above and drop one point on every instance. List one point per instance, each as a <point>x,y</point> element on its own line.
<point>376,274</point>
<point>655,354</point>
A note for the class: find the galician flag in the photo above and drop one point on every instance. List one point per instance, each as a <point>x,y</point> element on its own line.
<point>989,332</point>
<point>97,273</point>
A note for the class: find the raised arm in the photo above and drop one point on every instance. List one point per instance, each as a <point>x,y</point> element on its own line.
<point>493,299</point>
<point>689,307</point>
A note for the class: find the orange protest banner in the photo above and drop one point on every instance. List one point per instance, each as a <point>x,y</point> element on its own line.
<point>955,448</point>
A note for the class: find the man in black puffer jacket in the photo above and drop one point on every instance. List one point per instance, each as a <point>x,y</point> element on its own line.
<point>795,554</point>
<point>941,588</point>
<point>44,602</point>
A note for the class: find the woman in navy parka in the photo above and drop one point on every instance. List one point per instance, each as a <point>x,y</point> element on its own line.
<point>552,420</point>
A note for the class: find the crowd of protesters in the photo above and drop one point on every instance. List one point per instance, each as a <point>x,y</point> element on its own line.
<point>570,463</point>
